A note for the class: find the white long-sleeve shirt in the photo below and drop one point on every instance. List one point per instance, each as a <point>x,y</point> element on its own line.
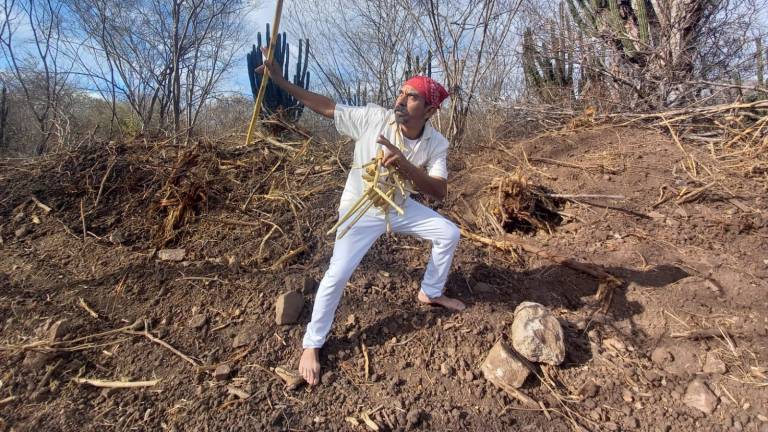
<point>364,125</point>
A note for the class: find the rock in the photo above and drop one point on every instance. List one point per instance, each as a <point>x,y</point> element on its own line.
<point>446,369</point>
<point>537,334</point>
<point>222,372</point>
<point>171,254</point>
<point>626,395</point>
<point>292,378</point>
<point>503,368</point>
<point>288,307</point>
<point>713,364</point>
<point>57,330</point>
<point>197,321</point>
<point>21,232</point>
<point>244,338</point>
<point>699,396</point>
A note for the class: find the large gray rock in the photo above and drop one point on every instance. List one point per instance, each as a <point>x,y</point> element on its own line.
<point>700,397</point>
<point>502,367</point>
<point>288,307</point>
<point>537,334</point>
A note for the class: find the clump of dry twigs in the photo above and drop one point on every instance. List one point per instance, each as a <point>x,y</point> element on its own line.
<point>518,205</point>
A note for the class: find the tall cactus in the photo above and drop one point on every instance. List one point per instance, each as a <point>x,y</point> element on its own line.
<point>277,99</point>
<point>617,21</point>
<point>549,69</point>
<point>415,67</point>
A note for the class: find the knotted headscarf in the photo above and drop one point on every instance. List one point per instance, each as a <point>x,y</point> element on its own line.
<point>434,94</point>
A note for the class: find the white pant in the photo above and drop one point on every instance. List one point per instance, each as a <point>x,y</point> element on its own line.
<point>348,251</point>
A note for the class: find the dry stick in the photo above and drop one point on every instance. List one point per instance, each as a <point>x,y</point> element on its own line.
<point>367,361</point>
<point>82,218</point>
<point>103,181</point>
<point>567,196</point>
<point>40,204</point>
<point>265,76</point>
<point>147,335</point>
<point>288,256</point>
<point>81,302</point>
<point>115,384</point>
<point>233,222</point>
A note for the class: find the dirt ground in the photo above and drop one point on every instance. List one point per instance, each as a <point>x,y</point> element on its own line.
<point>693,305</point>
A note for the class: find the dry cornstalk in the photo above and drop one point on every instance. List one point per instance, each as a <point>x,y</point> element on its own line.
<point>115,384</point>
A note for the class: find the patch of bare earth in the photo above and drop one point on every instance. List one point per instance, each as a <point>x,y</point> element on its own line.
<point>692,306</point>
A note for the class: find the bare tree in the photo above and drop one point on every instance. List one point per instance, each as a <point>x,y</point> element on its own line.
<point>35,64</point>
<point>165,57</point>
<point>465,36</point>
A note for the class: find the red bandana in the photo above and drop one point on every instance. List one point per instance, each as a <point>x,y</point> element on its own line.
<point>434,94</point>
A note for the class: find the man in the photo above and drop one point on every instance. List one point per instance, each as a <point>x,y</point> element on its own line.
<point>422,162</point>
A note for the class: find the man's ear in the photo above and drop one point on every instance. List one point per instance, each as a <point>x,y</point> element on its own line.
<point>430,112</point>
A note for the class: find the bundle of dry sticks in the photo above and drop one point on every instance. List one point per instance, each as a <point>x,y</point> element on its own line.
<point>385,189</point>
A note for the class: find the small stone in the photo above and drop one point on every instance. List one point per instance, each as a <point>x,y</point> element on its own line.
<point>713,364</point>
<point>171,254</point>
<point>222,372</point>
<point>611,426</point>
<point>446,369</point>
<point>606,177</point>
<point>288,307</point>
<point>57,330</point>
<point>292,378</point>
<point>244,338</point>
<point>656,215</point>
<point>627,395</point>
<point>537,334</point>
<point>198,321</point>
<point>351,320</point>
<point>21,232</point>
<point>700,397</point>
<point>503,368</point>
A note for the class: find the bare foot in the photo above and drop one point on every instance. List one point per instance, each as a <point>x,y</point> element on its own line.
<point>444,301</point>
<point>309,365</point>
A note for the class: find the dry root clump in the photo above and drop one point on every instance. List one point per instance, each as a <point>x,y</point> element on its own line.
<point>517,205</point>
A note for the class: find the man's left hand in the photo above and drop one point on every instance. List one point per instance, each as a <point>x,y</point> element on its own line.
<point>393,157</point>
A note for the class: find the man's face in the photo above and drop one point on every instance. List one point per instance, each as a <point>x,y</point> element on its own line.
<point>411,109</point>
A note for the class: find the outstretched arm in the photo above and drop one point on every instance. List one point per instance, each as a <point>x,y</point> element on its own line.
<point>318,103</point>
